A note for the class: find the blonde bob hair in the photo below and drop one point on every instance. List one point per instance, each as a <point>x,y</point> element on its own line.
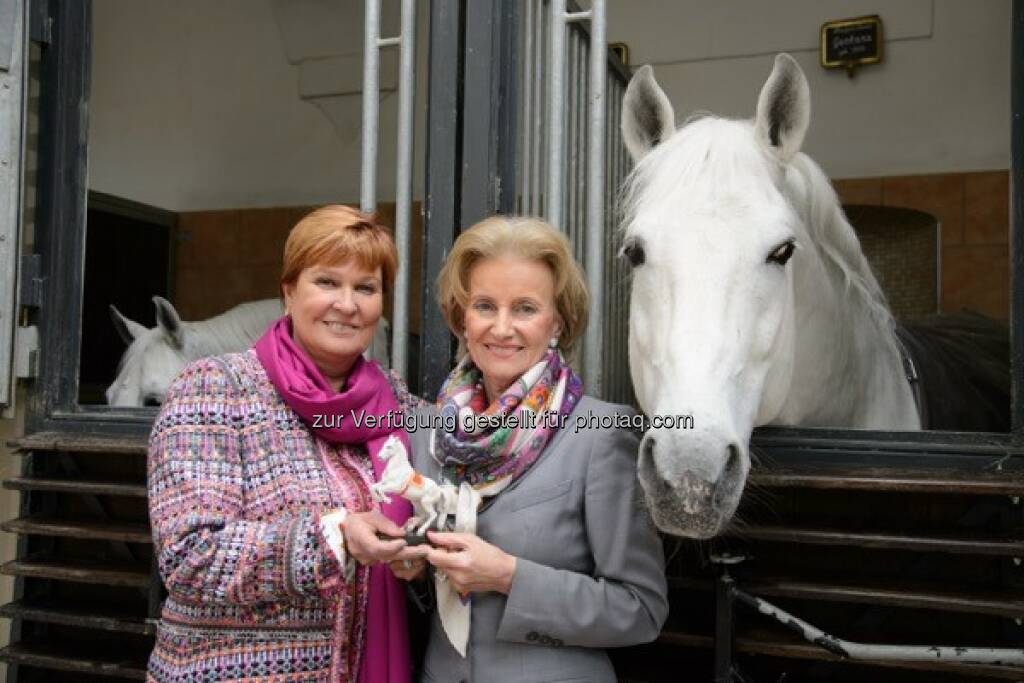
<point>334,234</point>
<point>516,237</point>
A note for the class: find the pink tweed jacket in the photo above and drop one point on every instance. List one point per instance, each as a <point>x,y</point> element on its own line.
<point>236,489</point>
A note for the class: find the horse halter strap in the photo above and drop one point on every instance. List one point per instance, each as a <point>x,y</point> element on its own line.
<point>910,372</point>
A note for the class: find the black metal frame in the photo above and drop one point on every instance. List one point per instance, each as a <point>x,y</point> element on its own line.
<point>60,232</point>
<point>471,149</point>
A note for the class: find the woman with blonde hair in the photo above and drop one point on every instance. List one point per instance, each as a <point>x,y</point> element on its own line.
<point>565,560</point>
<point>254,465</point>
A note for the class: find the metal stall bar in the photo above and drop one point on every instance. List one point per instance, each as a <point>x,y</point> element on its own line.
<point>1017,217</point>
<point>593,340</point>
<point>556,114</point>
<point>403,187</point>
<point>371,104</point>
<point>593,236</point>
<point>372,44</point>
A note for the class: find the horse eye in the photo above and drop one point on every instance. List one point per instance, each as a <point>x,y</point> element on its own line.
<point>782,253</point>
<point>633,250</point>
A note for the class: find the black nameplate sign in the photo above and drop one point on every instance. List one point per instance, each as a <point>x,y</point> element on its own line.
<point>850,42</point>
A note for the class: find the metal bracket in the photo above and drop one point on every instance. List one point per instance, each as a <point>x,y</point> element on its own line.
<point>26,352</point>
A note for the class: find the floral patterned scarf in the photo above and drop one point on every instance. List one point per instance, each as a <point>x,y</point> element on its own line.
<point>492,445</point>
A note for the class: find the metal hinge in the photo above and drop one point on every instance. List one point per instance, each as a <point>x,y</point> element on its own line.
<point>26,352</point>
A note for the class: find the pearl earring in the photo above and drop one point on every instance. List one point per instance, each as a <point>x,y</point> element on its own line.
<point>553,343</point>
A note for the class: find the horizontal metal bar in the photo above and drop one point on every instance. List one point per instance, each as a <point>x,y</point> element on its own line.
<point>571,17</point>
<point>389,42</point>
<point>881,652</point>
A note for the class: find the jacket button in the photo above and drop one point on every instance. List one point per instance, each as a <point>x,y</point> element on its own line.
<point>532,636</point>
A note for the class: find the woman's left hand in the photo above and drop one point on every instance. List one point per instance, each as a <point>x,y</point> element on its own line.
<point>471,563</point>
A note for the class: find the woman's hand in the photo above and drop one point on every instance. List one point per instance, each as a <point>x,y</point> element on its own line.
<point>363,545</point>
<point>409,570</point>
<point>471,563</point>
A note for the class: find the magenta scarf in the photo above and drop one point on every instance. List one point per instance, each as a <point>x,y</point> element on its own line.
<point>386,658</point>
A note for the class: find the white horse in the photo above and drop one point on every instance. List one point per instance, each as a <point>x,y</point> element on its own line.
<point>752,303</point>
<point>155,356</point>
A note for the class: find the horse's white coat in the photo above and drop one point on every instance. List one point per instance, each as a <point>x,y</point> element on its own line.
<point>155,356</point>
<point>719,331</point>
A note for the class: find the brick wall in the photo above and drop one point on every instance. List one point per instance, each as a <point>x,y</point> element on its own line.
<point>973,209</point>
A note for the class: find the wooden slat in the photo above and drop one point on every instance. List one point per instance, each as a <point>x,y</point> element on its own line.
<point>101,617</point>
<point>785,646</point>
<point>939,544</point>
<point>96,530</point>
<point>113,575</point>
<point>79,443</point>
<point>892,593</point>
<point>99,488</point>
<point>48,656</point>
<point>887,479</point>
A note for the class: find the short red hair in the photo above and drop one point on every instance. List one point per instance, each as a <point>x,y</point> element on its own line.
<point>334,234</point>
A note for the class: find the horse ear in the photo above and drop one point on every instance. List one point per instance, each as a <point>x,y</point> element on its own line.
<point>647,116</point>
<point>127,329</point>
<point>784,108</point>
<point>167,320</point>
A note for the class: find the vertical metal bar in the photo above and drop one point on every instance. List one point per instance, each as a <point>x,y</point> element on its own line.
<point>403,187</point>
<point>593,339</point>
<point>1017,216</point>
<point>527,127</point>
<point>536,172</point>
<point>13,99</point>
<point>724,598</point>
<point>442,200</point>
<point>556,115</point>
<point>568,180</point>
<point>371,103</point>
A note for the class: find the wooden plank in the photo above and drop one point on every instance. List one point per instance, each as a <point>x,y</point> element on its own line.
<point>79,443</point>
<point>98,530</point>
<point>893,594</point>
<point>773,644</point>
<point>101,617</point>
<point>134,576</point>
<point>99,488</point>
<point>48,656</point>
<point>897,480</point>
<point>1012,547</point>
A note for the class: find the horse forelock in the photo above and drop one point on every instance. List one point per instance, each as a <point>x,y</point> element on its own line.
<point>706,159</point>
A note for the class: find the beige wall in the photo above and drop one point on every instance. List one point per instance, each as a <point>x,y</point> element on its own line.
<point>938,103</point>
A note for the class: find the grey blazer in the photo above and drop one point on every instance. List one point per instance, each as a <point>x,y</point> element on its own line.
<point>590,569</point>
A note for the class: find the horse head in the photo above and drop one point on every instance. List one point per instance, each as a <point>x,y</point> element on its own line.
<point>153,359</point>
<point>712,239</point>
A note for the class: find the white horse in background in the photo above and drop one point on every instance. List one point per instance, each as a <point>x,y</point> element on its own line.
<point>752,303</point>
<point>155,356</point>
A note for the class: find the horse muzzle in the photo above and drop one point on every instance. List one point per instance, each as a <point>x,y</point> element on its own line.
<point>692,485</point>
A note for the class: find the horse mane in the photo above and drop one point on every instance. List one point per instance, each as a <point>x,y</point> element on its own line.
<point>836,241</point>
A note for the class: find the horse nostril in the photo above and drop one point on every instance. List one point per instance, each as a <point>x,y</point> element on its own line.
<point>732,463</point>
<point>647,451</point>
